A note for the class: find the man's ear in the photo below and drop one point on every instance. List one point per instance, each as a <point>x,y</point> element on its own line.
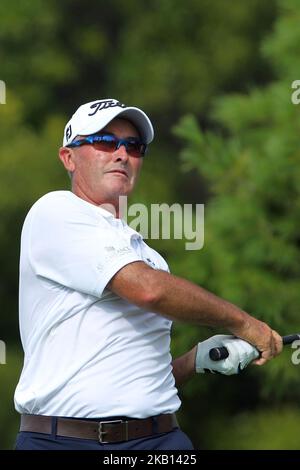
<point>66,155</point>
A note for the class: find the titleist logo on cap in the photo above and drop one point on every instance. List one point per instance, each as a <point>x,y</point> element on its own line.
<point>104,104</point>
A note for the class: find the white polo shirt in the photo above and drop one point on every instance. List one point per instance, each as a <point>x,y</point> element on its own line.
<point>88,353</point>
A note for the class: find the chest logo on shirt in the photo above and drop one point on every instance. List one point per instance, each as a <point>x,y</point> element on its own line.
<point>117,251</point>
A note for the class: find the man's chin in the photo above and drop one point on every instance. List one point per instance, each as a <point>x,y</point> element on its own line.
<point>121,190</point>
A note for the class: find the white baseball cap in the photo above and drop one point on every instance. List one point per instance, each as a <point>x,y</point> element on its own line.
<point>95,115</point>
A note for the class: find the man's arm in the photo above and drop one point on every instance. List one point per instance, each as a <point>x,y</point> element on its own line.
<point>184,367</point>
<point>179,299</point>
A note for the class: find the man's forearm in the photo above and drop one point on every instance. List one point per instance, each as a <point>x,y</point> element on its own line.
<point>182,300</point>
<point>184,367</point>
<point>175,297</point>
<point>179,299</point>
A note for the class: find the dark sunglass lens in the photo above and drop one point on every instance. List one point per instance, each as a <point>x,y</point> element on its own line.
<point>132,149</point>
<point>143,149</point>
<point>135,149</point>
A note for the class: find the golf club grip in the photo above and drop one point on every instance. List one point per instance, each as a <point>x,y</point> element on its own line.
<point>217,354</point>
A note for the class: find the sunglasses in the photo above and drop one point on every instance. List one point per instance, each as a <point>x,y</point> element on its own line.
<point>109,143</point>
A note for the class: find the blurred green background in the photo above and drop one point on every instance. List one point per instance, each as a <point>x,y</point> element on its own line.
<point>215,78</point>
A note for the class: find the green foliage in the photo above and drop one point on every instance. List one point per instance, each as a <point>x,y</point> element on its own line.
<point>265,430</point>
<point>177,52</point>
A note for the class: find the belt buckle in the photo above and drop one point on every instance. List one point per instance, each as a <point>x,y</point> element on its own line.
<point>101,432</point>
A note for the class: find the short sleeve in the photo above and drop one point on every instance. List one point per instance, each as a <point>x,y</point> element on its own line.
<point>76,247</point>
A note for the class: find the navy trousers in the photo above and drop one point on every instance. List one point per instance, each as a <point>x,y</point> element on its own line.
<point>173,440</point>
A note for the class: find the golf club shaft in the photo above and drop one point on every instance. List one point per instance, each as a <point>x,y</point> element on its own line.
<point>217,354</point>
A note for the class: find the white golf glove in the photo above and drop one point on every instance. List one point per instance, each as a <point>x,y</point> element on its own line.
<point>241,354</point>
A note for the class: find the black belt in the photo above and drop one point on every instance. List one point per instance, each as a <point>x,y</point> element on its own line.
<point>102,431</point>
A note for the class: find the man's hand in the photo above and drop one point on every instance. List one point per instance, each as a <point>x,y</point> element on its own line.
<point>241,354</point>
<point>267,341</point>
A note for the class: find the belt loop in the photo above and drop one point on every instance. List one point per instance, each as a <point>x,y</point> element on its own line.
<point>53,426</point>
<point>154,424</point>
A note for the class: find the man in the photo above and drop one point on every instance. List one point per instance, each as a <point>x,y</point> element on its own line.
<point>96,305</point>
